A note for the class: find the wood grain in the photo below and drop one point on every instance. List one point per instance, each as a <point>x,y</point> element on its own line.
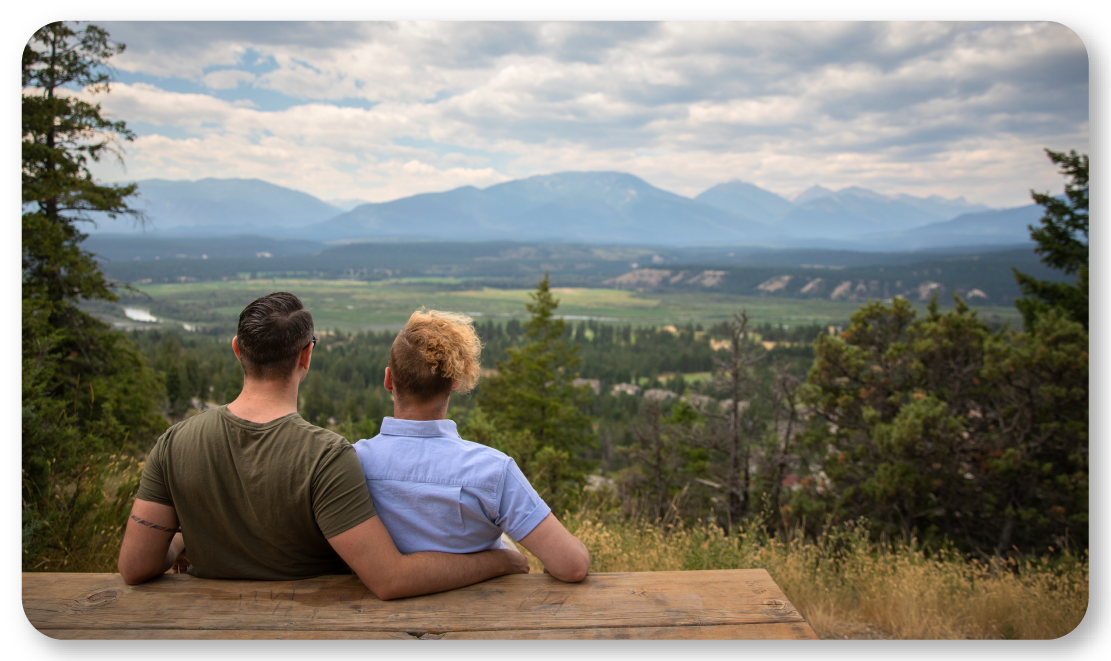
<point>519,603</point>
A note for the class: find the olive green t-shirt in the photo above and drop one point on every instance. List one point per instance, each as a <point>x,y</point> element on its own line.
<point>257,500</point>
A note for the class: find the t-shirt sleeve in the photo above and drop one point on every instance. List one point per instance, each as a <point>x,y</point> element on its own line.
<point>520,508</point>
<point>152,483</point>
<point>341,500</point>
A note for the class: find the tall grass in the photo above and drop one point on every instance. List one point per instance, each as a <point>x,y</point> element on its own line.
<point>848,586</point>
<point>78,525</point>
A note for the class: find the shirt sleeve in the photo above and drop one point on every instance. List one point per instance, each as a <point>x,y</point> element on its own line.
<point>152,483</point>
<point>520,508</point>
<point>341,500</point>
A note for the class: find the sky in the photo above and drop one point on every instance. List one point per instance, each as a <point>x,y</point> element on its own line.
<point>379,111</point>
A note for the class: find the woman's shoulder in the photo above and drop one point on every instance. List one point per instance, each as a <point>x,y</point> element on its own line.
<point>471,446</point>
<point>432,459</point>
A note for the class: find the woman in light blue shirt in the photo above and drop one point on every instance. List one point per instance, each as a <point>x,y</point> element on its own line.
<point>435,491</point>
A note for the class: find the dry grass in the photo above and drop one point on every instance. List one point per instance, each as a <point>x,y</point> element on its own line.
<point>847,586</point>
<point>84,521</point>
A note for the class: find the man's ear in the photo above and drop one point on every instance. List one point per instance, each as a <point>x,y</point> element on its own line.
<point>235,347</point>
<point>305,358</point>
<point>387,382</point>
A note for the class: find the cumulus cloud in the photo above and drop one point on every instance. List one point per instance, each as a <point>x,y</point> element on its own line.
<point>226,79</point>
<point>924,108</point>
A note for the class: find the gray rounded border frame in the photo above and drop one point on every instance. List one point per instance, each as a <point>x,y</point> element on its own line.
<point>1084,640</point>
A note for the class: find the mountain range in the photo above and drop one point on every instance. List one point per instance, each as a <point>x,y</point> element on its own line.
<point>591,207</point>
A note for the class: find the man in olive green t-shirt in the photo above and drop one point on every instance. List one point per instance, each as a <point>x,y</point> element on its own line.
<point>259,493</point>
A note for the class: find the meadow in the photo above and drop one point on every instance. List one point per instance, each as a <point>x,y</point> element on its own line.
<point>359,305</point>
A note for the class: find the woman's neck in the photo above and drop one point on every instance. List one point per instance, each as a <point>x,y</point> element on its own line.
<point>431,410</point>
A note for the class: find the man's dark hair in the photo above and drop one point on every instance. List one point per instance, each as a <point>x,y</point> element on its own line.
<point>273,330</point>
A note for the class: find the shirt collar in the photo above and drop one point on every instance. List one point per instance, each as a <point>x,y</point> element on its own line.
<point>420,428</point>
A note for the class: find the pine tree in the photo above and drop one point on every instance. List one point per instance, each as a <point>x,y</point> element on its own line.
<point>937,427</point>
<point>532,406</point>
<point>87,390</point>
<point>1061,246</point>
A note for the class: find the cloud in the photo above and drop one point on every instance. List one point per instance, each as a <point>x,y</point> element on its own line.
<point>947,108</point>
<point>226,79</point>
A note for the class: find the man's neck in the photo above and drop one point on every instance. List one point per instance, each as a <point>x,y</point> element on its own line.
<point>263,401</point>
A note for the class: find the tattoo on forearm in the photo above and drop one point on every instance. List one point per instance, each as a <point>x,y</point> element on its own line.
<point>153,525</point>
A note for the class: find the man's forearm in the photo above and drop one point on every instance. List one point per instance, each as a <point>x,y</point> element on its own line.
<point>427,572</point>
<point>368,549</point>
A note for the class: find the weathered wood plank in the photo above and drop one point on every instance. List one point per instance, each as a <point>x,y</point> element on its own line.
<point>220,634</point>
<point>772,631</point>
<point>342,603</point>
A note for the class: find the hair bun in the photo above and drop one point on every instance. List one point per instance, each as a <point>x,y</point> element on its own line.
<point>447,343</point>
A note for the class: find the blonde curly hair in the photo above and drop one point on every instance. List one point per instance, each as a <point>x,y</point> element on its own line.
<point>435,351</point>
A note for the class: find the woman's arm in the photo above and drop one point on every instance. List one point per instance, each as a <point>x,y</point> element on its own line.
<point>563,555</point>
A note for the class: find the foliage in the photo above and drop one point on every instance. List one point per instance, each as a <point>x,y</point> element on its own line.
<point>532,399</point>
<point>1062,241</point>
<point>664,456</point>
<point>937,426</point>
<point>86,391</point>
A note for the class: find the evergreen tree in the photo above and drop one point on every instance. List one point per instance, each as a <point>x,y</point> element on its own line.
<point>937,426</point>
<point>1062,242</point>
<point>87,391</point>
<point>533,407</point>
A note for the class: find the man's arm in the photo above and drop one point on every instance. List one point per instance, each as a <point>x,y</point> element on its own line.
<point>563,555</point>
<point>147,551</point>
<point>369,550</point>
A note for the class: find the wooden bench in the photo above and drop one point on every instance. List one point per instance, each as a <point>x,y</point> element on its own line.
<point>719,604</point>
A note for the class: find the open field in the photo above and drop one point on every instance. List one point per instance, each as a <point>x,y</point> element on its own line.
<point>353,305</point>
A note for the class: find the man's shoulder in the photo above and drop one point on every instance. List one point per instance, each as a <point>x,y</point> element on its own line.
<point>204,419</point>
<point>316,437</point>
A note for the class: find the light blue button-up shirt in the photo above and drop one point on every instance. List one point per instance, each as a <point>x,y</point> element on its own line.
<point>436,492</point>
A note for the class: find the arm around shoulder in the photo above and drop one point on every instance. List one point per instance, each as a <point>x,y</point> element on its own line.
<point>370,552</point>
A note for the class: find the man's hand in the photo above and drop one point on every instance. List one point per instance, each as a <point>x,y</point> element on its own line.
<point>518,563</point>
<point>370,552</point>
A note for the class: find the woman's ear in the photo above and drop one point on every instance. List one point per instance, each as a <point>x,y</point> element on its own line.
<point>455,384</point>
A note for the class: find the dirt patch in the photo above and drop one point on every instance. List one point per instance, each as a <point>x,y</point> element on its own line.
<point>640,278</point>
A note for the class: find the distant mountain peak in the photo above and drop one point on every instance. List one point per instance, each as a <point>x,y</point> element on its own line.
<point>813,193</point>
<point>862,192</point>
<point>746,199</point>
<point>347,203</point>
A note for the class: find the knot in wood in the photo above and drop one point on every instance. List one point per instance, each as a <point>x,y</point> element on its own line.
<point>99,598</point>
